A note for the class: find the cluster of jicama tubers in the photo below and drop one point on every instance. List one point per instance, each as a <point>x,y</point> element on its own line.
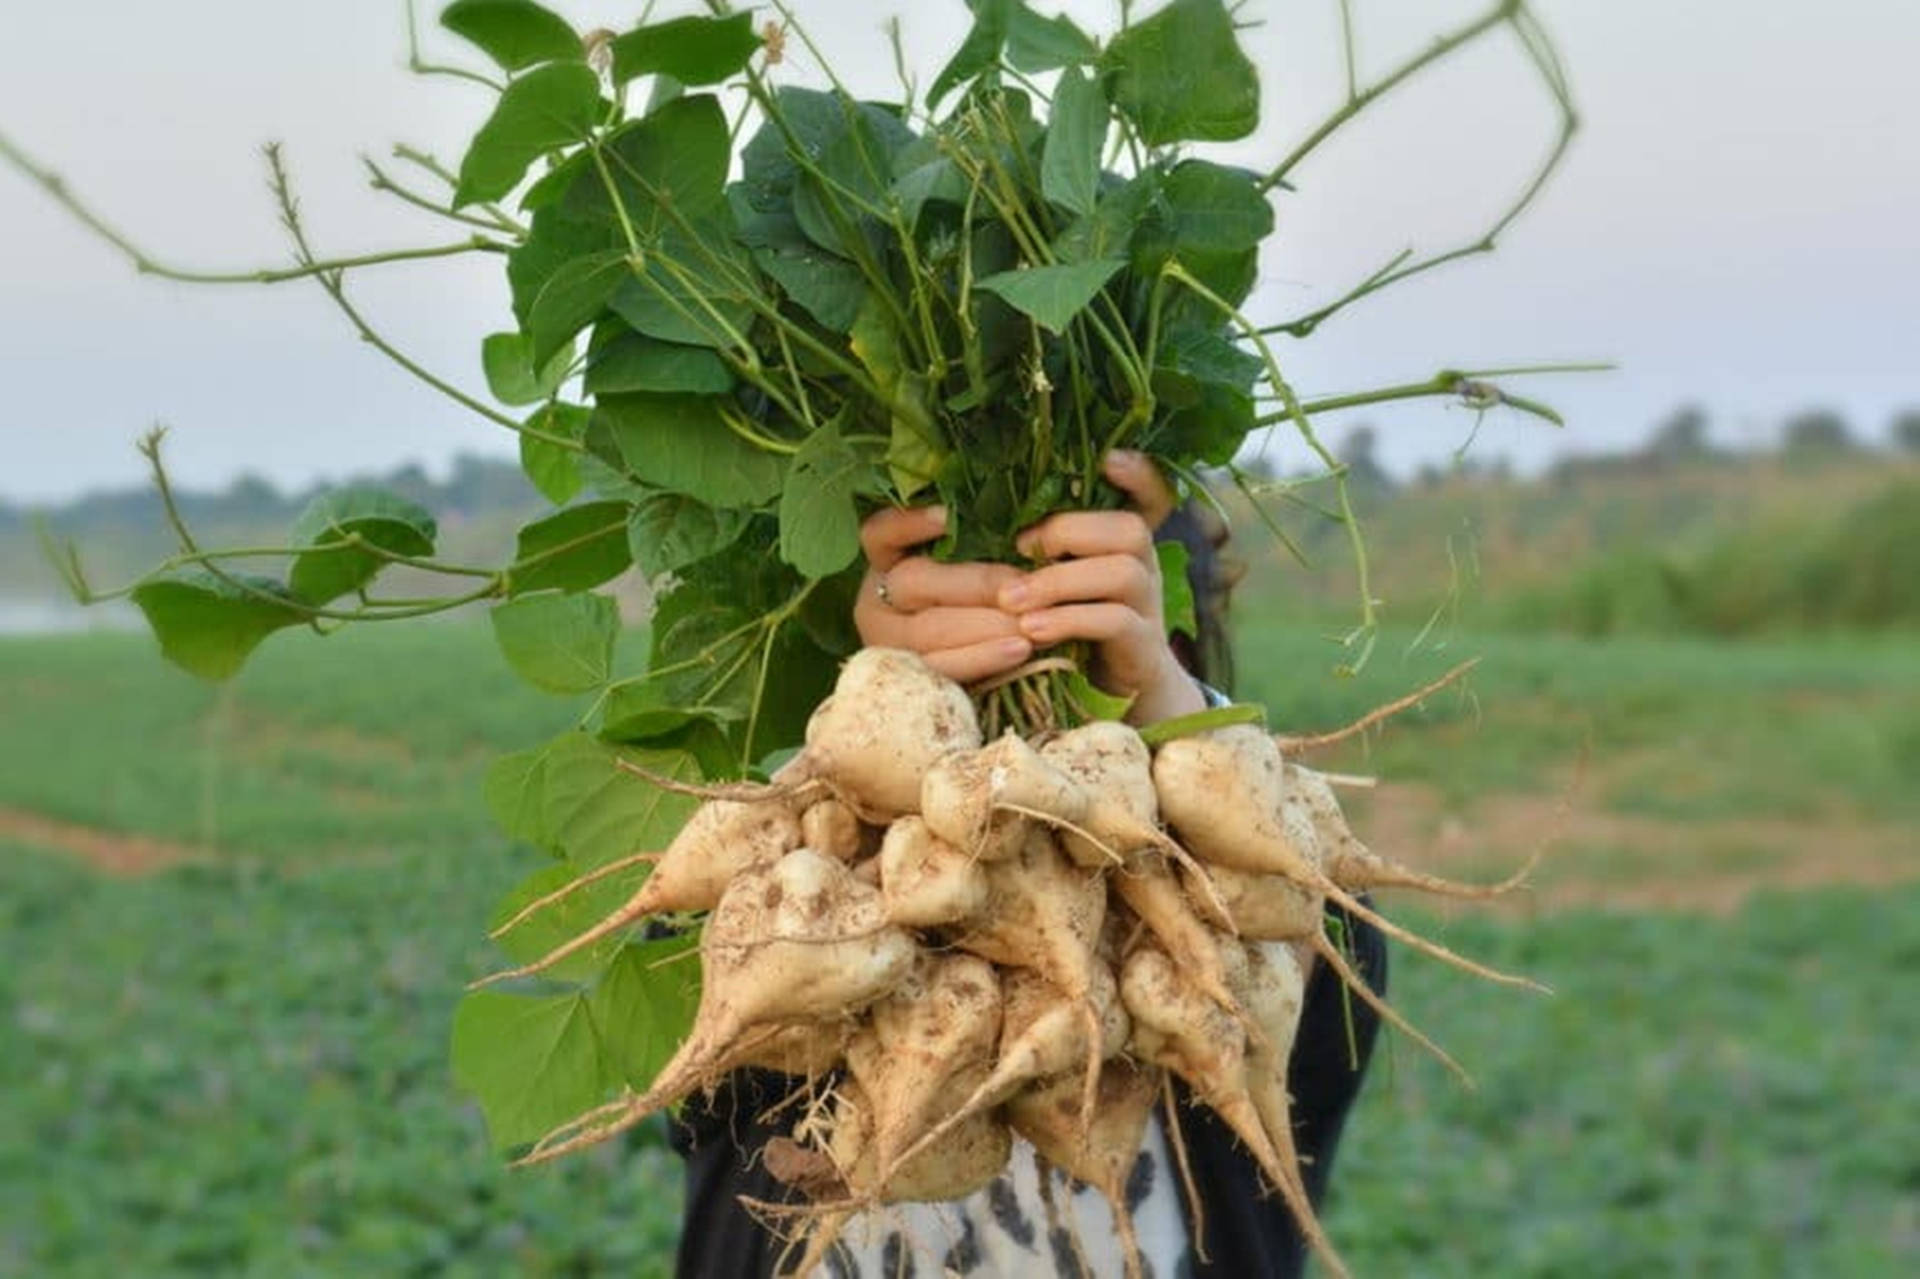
<point>960,942</point>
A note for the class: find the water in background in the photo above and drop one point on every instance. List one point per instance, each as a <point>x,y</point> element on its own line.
<point>38,615</point>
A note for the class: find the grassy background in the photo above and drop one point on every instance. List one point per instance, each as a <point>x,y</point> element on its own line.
<point>238,1065</point>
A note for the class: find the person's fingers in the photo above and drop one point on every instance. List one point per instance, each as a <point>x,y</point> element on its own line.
<point>1100,623</point>
<point>1122,579</point>
<point>889,533</point>
<point>1087,533</point>
<point>920,582</point>
<point>1135,475</point>
<point>981,661</point>
<point>933,629</point>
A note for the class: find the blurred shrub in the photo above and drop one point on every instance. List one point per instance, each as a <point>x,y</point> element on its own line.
<point>1856,570</point>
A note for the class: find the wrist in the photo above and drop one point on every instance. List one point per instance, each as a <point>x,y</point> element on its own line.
<point>1173,692</point>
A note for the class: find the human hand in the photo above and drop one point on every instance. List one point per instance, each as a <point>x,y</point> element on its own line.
<point>1100,582</point>
<point>972,621</point>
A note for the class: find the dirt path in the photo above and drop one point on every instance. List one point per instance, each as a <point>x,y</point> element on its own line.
<point>114,852</point>
<point>1596,857</point>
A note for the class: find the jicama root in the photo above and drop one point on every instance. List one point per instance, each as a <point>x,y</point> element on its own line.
<point>1180,1028</point>
<point>931,1043</point>
<point>1045,914</point>
<point>891,716</point>
<point>927,882</point>
<point>829,826</point>
<point>721,840</point>
<point>1358,869</point>
<point>1223,790</point>
<point>800,940</point>
<point>1115,771</point>
<point>982,801</point>
<point>1044,1032</point>
<point>1102,1153</point>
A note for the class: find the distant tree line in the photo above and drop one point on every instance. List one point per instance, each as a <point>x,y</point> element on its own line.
<point>473,486</point>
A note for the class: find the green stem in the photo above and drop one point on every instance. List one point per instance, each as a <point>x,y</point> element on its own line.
<point>1358,102</point>
<point>145,264</point>
<point>333,284</point>
<point>382,181</point>
<point>1369,619</point>
<point>1545,60</point>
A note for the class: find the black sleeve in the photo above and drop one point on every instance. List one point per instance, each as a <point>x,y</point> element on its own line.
<point>1245,1232</point>
<point>720,1137</point>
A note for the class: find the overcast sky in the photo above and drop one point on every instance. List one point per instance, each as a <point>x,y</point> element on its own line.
<point>1739,222</point>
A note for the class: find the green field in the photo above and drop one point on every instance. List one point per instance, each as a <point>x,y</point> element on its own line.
<point>237,1063</point>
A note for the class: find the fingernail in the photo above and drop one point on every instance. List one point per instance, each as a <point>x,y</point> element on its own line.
<point>938,514</point>
<point>1026,543</point>
<point>1119,460</point>
<point>1015,648</point>
<point>1015,597</point>
<point>1036,627</point>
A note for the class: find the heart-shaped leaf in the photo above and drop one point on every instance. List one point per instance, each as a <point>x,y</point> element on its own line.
<point>572,550</point>
<point>544,110</point>
<point>1051,295</point>
<point>514,33</point>
<point>378,518</point>
<point>681,443</point>
<point>207,625</point>
<point>1181,76</point>
<point>558,643</point>
<point>694,51</point>
<point>511,375</point>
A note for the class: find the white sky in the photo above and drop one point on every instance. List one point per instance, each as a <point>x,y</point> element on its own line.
<point>1737,223</point>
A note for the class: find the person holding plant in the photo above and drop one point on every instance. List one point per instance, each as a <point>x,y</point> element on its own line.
<point>1100,583</point>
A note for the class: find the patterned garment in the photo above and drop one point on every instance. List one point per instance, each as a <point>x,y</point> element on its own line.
<point>1019,1229</point>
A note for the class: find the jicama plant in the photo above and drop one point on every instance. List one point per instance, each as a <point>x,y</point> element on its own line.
<point>748,309</point>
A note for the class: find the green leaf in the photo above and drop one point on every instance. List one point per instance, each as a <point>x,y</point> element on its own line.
<point>681,444</point>
<point>514,33</point>
<point>532,1062</point>
<point>1176,589</point>
<point>1036,44</point>
<point>819,523</point>
<point>1216,209</point>
<point>827,287</point>
<point>979,51</point>
<point>208,626</point>
<point>1181,76</point>
<point>1096,701</point>
<point>694,51</point>
<point>553,468</point>
<point>1111,227</point>
<point>668,531</point>
<point>573,298</point>
<point>561,921</point>
<point>696,287</point>
<point>916,451</point>
<point>572,550</point>
<point>672,164</point>
<point>515,794</point>
<point>629,361</point>
<point>597,811</point>
<point>542,111</point>
<point>645,1005</point>
<point>1051,295</point>
<point>558,643</point>
<point>381,519</point>
<point>641,713</point>
<point>511,376</point>
<point>1070,165</point>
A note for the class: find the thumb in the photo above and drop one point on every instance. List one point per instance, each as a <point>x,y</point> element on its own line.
<point>1135,475</point>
